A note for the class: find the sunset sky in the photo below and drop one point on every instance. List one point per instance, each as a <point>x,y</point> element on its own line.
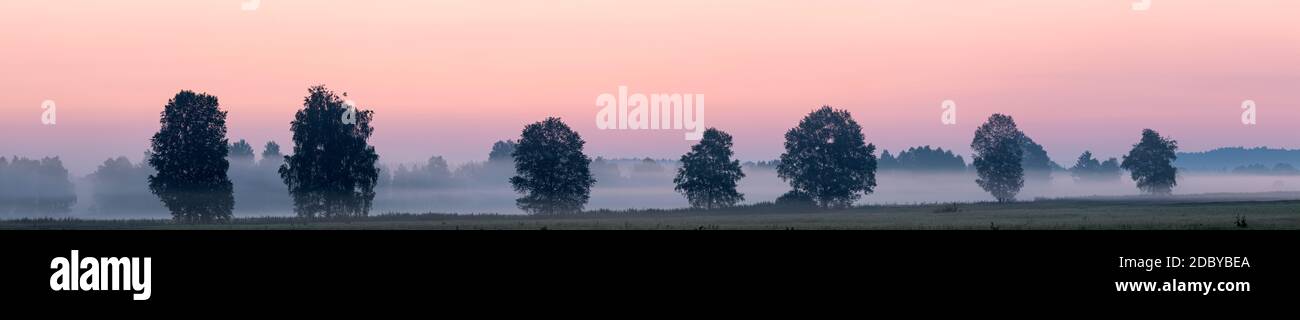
<point>450,77</point>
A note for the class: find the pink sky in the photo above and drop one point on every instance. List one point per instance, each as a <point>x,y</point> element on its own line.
<point>451,77</point>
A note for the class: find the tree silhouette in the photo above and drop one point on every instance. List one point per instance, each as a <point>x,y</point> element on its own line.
<point>188,154</point>
<point>708,175</point>
<point>827,158</point>
<point>998,155</point>
<point>924,159</point>
<point>551,171</point>
<point>501,151</point>
<point>1088,169</point>
<point>1035,162</point>
<point>1150,163</point>
<point>271,154</point>
<point>332,171</point>
<point>241,152</point>
<point>887,161</point>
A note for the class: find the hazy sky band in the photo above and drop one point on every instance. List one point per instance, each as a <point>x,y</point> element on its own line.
<point>451,77</point>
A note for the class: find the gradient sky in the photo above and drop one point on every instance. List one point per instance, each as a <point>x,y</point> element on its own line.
<point>451,77</point>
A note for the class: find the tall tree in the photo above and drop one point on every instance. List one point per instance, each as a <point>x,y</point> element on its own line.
<point>189,156</point>
<point>332,171</point>
<point>827,157</point>
<point>552,173</point>
<point>998,157</point>
<point>1151,163</point>
<point>708,175</point>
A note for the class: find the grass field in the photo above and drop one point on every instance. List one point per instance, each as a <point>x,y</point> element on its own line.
<point>1220,211</point>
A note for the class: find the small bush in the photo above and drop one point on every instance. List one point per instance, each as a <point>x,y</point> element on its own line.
<point>795,199</point>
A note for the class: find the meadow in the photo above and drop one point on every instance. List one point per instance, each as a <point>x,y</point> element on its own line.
<point>1219,211</point>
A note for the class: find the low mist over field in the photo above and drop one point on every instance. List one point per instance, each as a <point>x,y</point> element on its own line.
<point>120,191</point>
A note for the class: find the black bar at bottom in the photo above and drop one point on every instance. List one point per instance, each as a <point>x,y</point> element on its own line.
<point>198,268</point>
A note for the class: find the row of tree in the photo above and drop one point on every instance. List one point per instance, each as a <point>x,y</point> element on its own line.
<point>1037,165</point>
<point>332,170</point>
<point>1000,150</point>
<point>827,162</point>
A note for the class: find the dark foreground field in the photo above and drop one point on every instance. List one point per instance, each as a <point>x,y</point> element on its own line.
<point>1218,211</point>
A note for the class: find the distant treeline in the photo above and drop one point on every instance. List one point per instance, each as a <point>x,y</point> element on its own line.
<point>332,171</point>
<point>1230,159</point>
<point>35,185</point>
<point>1281,169</point>
<point>435,173</point>
<point>922,159</point>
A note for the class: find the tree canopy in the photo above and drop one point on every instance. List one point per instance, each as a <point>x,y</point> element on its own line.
<point>332,171</point>
<point>241,152</point>
<point>827,158</point>
<point>551,171</point>
<point>1150,163</point>
<point>708,175</point>
<point>188,154</point>
<point>998,157</point>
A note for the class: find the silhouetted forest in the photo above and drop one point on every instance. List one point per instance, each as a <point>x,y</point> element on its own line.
<point>923,159</point>
<point>1225,159</point>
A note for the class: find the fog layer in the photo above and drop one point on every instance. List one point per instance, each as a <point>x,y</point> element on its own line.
<point>118,190</point>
